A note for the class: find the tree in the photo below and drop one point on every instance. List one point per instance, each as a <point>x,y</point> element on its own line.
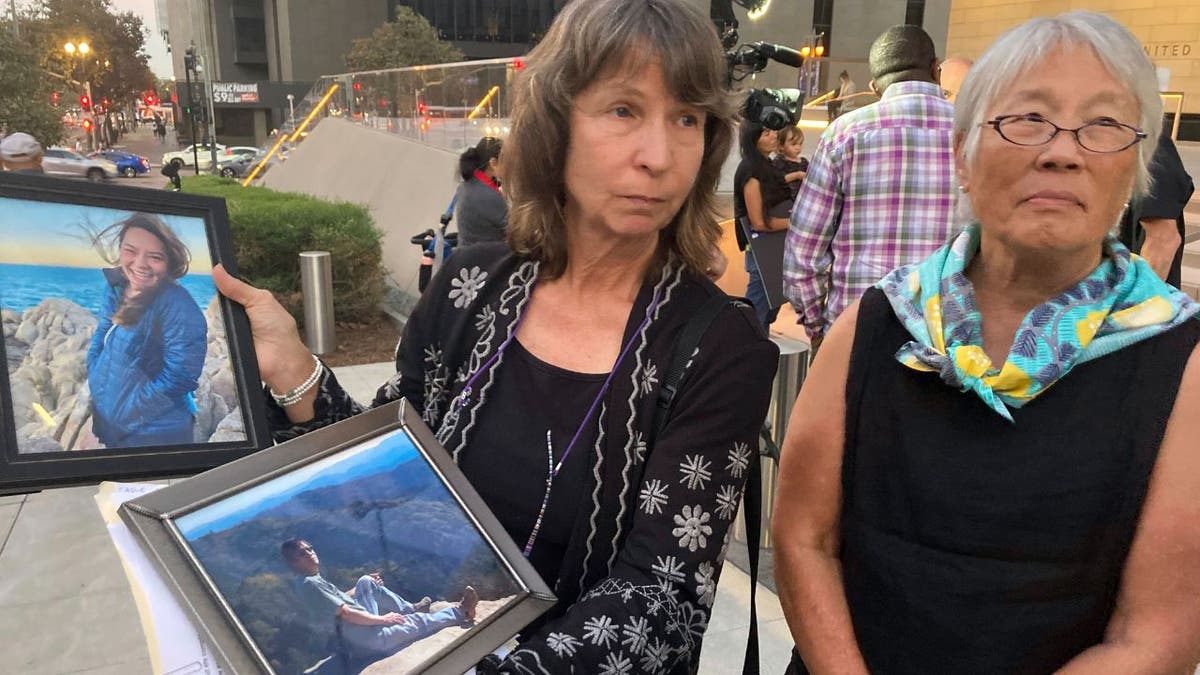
<point>117,66</point>
<point>410,40</point>
<point>25,91</point>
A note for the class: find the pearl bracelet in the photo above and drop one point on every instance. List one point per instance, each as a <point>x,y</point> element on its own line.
<point>293,397</point>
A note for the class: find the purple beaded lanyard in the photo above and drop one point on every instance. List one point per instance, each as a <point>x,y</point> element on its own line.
<point>552,469</point>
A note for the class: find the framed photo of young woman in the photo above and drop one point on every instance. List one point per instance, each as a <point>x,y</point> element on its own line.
<point>356,548</point>
<point>119,359</point>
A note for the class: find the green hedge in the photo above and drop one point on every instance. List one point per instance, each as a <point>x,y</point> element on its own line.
<point>271,228</point>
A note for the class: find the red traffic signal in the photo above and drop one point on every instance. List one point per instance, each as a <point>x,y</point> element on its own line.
<point>358,86</point>
<point>150,99</point>
<point>518,64</point>
<point>85,103</point>
<point>104,102</point>
<point>422,108</point>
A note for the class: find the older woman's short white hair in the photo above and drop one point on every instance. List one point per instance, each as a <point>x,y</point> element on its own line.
<point>1028,45</point>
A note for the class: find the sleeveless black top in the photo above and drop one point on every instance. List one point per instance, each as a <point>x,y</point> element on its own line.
<point>974,545</point>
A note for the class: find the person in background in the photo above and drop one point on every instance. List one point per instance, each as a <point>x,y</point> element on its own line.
<point>760,200</point>
<point>880,187</point>
<point>789,161</point>
<point>951,73</point>
<point>1153,225</point>
<point>992,466</point>
<point>21,153</point>
<point>481,210</point>
<point>538,364</point>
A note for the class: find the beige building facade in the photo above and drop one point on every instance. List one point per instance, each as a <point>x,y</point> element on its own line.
<point>1168,29</point>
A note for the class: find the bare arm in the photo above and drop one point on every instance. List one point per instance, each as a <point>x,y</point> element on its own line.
<point>359,617</point>
<point>1162,241</point>
<point>1156,625</point>
<point>808,511</point>
<point>794,176</point>
<point>752,194</point>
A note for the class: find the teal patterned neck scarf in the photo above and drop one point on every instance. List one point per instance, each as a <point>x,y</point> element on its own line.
<point>1120,303</point>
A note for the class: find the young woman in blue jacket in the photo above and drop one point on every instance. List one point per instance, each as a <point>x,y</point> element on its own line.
<point>146,356</point>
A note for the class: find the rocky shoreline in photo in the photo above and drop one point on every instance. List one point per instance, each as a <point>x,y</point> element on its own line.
<point>46,359</point>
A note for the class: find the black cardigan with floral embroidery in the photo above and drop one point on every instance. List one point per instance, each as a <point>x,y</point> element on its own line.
<point>641,569</point>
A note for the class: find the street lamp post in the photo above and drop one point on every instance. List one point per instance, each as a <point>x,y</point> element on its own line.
<point>292,110</point>
<point>189,64</point>
<point>82,49</point>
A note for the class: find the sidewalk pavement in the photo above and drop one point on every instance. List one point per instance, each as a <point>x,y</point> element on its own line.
<point>66,606</point>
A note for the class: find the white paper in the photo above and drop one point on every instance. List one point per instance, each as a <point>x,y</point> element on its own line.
<point>175,646</point>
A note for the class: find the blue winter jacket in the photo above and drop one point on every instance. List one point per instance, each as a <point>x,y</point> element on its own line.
<point>141,376</point>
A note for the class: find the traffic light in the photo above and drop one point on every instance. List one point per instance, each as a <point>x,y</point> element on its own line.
<point>85,103</point>
<point>518,64</point>
<point>150,99</point>
<point>105,102</point>
<point>358,86</point>
<point>422,108</point>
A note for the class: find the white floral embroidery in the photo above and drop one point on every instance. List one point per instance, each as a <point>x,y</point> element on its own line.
<point>564,645</point>
<point>655,656</point>
<point>694,619</point>
<point>669,589</point>
<point>727,502</point>
<point>668,569</point>
<point>639,448</point>
<point>636,633</point>
<point>692,531</point>
<point>433,354</point>
<point>649,378</point>
<point>706,587</point>
<point>485,316</point>
<point>653,497</point>
<point>616,664</point>
<point>600,630</point>
<point>466,286</point>
<point>739,459</point>
<point>695,472</point>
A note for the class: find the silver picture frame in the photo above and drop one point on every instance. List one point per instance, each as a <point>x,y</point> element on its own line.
<point>194,531</point>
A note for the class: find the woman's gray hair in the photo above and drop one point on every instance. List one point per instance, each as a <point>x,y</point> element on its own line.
<point>1021,49</point>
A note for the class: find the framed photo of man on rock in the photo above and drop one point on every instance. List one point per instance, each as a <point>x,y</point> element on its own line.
<point>120,359</point>
<point>355,548</point>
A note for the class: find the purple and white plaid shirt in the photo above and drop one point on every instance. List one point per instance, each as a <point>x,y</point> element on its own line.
<point>879,194</point>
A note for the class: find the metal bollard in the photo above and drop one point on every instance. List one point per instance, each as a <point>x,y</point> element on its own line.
<point>793,367</point>
<point>316,285</point>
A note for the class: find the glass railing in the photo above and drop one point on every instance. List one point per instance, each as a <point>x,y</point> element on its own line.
<point>449,106</point>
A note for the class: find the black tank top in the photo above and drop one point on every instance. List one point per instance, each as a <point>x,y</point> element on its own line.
<point>975,545</point>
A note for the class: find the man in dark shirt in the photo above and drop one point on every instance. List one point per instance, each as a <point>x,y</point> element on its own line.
<point>1153,226</point>
<point>371,619</point>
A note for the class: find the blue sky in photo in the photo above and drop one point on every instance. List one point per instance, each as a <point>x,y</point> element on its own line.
<point>382,454</point>
<point>49,234</point>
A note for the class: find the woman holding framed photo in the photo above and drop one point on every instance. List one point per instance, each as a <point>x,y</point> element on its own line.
<point>148,351</point>
<point>538,364</point>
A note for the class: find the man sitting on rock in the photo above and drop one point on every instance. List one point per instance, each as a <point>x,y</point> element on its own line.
<point>372,620</point>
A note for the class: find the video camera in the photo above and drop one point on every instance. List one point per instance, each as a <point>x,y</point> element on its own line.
<point>772,108</point>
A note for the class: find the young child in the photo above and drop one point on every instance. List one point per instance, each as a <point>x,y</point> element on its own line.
<point>789,162</point>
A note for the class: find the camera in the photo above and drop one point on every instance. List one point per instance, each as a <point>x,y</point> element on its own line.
<point>772,108</point>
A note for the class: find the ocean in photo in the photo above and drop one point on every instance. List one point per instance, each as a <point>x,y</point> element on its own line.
<point>24,286</point>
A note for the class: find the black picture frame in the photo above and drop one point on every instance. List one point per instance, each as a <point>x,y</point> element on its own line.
<point>216,539</point>
<point>767,249</point>
<point>49,434</point>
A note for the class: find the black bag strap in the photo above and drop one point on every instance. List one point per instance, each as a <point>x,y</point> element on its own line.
<point>689,339</point>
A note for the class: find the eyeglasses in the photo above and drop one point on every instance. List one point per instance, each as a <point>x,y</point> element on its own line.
<point>1103,135</point>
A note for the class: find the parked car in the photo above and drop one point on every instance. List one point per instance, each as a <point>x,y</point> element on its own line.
<point>183,158</point>
<point>128,164</point>
<point>239,164</point>
<point>64,162</point>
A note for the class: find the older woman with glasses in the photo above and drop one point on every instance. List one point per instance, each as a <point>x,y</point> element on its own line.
<point>993,465</point>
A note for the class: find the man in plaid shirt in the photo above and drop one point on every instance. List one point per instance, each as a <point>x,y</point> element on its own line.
<point>880,187</point>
